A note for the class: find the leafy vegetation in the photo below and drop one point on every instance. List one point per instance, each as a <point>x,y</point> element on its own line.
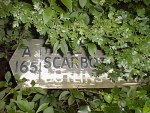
<point>18,99</point>
<point>120,28</point>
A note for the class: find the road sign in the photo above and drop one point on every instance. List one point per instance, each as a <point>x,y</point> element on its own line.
<point>51,70</point>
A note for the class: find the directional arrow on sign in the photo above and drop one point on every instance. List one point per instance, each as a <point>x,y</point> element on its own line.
<point>49,70</point>
<point>23,57</point>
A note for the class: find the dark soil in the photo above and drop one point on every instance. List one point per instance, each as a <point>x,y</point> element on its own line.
<point>4,67</point>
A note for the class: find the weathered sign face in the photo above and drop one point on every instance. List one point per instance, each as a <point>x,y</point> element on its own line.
<point>50,70</point>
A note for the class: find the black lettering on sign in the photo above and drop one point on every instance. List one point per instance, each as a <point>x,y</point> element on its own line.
<point>16,66</point>
<point>65,62</point>
<point>54,62</point>
<point>74,61</point>
<point>33,67</point>
<point>93,61</point>
<point>84,62</point>
<point>47,61</point>
<point>40,68</point>
<point>26,52</point>
<point>23,67</point>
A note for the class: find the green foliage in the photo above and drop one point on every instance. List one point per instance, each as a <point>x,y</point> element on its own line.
<point>47,15</point>
<point>8,76</point>
<point>92,49</point>
<point>71,100</point>
<point>117,100</point>
<point>49,110</point>
<point>68,4</point>
<point>82,3</point>
<point>63,95</point>
<point>42,107</point>
<point>108,98</point>
<point>120,28</point>
<point>10,37</point>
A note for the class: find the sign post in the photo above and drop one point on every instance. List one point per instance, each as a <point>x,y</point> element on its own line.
<point>49,70</point>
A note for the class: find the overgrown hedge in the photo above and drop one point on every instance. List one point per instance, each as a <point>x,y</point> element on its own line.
<point>120,28</point>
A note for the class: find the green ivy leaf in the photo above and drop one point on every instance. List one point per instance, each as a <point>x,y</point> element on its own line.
<point>42,107</point>
<point>2,94</point>
<point>146,109</point>
<point>141,12</point>
<point>58,9</point>
<point>36,97</point>
<point>8,76</point>
<point>19,97</point>
<point>82,3</point>
<point>52,2</point>
<point>2,84</point>
<point>24,105</point>
<point>68,4</point>
<point>64,47</point>
<point>95,103</point>
<point>132,92</point>
<point>49,110</point>
<point>122,103</point>
<point>17,77</point>
<point>63,95</point>
<point>38,90</point>
<point>10,109</point>
<point>141,93</point>
<point>71,100</point>
<point>47,15</point>
<point>146,2</point>
<point>33,83</point>
<point>77,94</point>
<point>22,46</point>
<point>56,47</point>
<point>111,14</point>
<point>86,18</point>
<point>32,104</point>
<point>44,99</point>
<point>92,49</point>
<point>74,14</point>
<point>138,110</point>
<point>108,98</point>
<point>2,54</point>
<point>2,105</point>
<point>53,101</point>
<point>2,22</point>
<point>147,103</point>
<point>95,1</point>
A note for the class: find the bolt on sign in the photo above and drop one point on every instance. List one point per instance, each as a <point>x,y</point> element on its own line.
<point>51,70</point>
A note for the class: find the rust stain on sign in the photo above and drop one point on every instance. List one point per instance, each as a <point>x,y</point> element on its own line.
<point>49,70</point>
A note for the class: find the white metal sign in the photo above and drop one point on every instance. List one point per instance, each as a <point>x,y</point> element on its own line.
<point>49,70</point>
